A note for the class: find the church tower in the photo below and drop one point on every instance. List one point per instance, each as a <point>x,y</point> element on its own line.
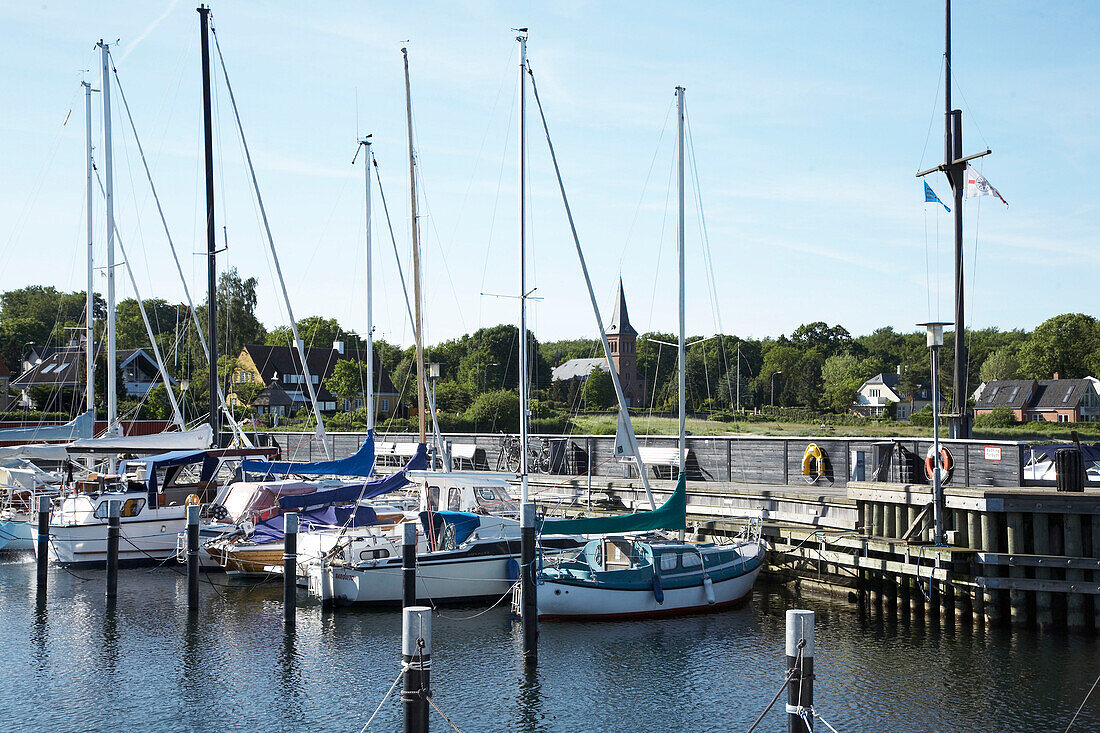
<point>622,338</point>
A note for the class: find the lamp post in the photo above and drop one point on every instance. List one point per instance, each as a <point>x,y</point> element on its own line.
<point>934,338</point>
<point>484,371</point>
<point>433,375</point>
<point>774,375</point>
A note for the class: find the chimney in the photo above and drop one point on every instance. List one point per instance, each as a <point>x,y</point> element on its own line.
<point>1056,375</point>
<point>899,370</point>
<point>338,347</point>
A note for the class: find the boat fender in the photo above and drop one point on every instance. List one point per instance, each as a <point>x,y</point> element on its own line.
<point>658,591</point>
<point>708,589</point>
<point>512,568</point>
<point>947,462</point>
<point>813,461</point>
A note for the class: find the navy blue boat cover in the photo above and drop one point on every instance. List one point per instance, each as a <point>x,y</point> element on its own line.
<point>355,492</point>
<point>464,523</point>
<point>361,463</point>
<point>271,530</point>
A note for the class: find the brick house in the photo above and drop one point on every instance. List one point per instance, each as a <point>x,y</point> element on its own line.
<point>1034,400</point>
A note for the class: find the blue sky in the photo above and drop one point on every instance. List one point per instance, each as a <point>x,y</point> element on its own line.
<point>808,121</point>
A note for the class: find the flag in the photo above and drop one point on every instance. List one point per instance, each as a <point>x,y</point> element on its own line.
<point>930,196</point>
<point>976,185</point>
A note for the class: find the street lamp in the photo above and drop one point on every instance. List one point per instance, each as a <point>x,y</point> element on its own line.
<point>774,375</point>
<point>484,371</point>
<point>934,338</point>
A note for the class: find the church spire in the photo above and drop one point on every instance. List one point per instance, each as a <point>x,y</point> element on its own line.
<point>620,319</point>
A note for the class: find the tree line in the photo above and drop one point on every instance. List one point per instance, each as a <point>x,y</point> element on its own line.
<point>817,366</point>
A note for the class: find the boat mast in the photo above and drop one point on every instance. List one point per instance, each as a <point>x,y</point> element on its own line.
<point>211,234</point>
<point>366,142</point>
<point>522,39</point>
<point>89,298</point>
<point>112,375</point>
<point>952,151</point>
<point>417,326</point>
<point>681,348</point>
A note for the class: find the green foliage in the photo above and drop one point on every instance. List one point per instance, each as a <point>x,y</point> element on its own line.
<point>453,397</point>
<point>598,392</point>
<point>842,375</point>
<point>998,417</point>
<point>922,417</point>
<point>495,411</point>
<point>1001,364</point>
<point>348,379</point>
<point>237,322</point>
<point>1062,344</point>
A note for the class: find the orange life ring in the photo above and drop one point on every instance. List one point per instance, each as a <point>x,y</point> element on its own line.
<point>946,463</point>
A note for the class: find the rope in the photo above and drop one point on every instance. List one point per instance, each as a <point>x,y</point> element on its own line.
<point>771,704</point>
<point>1082,706</point>
<point>449,721</point>
<point>384,698</point>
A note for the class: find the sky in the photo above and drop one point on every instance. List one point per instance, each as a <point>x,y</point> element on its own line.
<point>807,122</point>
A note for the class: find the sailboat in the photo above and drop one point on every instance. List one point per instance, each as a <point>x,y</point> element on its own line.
<point>635,569</point>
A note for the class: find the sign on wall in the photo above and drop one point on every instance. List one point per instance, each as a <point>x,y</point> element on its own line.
<point>993,453</point>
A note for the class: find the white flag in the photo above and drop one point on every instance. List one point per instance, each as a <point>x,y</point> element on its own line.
<point>976,185</point>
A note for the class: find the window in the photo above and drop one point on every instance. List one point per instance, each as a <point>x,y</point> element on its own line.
<point>668,560</point>
<point>692,560</point>
<point>373,554</point>
<point>875,393</point>
<point>614,347</point>
<point>1063,418</point>
<point>385,404</point>
<point>454,499</point>
<point>129,508</point>
<point>433,498</point>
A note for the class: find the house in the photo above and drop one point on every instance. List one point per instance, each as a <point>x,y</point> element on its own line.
<point>1034,400</point>
<point>279,370</point>
<point>63,368</point>
<point>622,339</point>
<point>882,390</point>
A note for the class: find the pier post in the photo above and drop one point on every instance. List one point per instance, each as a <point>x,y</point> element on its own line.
<point>43,541</point>
<point>416,658</point>
<point>1075,602</point>
<point>800,667</point>
<point>529,612</point>
<point>113,531</point>
<point>962,538</point>
<point>1044,612</point>
<point>990,598</point>
<point>1095,573</point>
<point>889,521</point>
<point>877,519</point>
<point>408,564</point>
<point>1017,598</point>
<point>290,567</point>
<point>974,533</point>
<point>193,557</point>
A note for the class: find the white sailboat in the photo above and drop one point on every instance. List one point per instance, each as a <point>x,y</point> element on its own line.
<point>632,574</point>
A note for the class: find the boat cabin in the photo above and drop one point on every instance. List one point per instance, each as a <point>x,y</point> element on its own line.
<point>169,478</point>
<point>465,492</point>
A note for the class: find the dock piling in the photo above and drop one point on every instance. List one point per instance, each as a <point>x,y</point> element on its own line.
<point>800,668</point>
<point>1044,611</point>
<point>113,531</point>
<point>290,567</point>
<point>1017,598</point>
<point>529,612</point>
<point>193,557</point>
<point>416,659</point>
<point>408,564</point>
<point>1075,602</point>
<point>43,540</point>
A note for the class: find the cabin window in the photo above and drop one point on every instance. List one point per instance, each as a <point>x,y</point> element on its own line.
<point>129,508</point>
<point>433,498</point>
<point>668,560</point>
<point>373,554</point>
<point>454,499</point>
<point>692,560</point>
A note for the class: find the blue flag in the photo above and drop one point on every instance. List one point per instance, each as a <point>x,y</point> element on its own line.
<point>930,195</point>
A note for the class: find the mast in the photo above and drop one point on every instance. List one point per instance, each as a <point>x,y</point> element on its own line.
<point>522,39</point>
<point>112,375</point>
<point>211,234</point>
<point>89,298</point>
<point>421,400</point>
<point>680,347</point>
<point>952,151</point>
<point>370,296</point>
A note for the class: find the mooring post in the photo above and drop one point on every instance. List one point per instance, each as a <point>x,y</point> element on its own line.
<point>113,530</point>
<point>408,565</point>
<point>529,612</point>
<point>800,668</point>
<point>1095,574</point>
<point>1017,598</point>
<point>991,601</point>
<point>193,557</point>
<point>290,567</point>
<point>43,541</point>
<point>1044,612</point>
<point>1075,602</point>
<point>416,659</point>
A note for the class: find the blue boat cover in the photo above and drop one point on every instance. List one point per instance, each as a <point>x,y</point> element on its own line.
<point>355,492</point>
<point>361,463</point>
<point>173,458</point>
<point>464,523</point>
<point>271,530</point>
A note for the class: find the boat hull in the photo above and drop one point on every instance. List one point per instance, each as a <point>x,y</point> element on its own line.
<point>149,538</point>
<point>561,600</point>
<point>16,536</point>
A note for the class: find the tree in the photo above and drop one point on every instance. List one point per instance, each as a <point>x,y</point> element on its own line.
<point>348,379</point>
<point>237,322</point>
<point>599,390</point>
<point>495,411</point>
<point>42,314</point>
<point>315,331</point>
<point>842,375</point>
<point>130,330</point>
<point>1001,364</point>
<point>1062,344</point>
<point>822,336</point>
<point>452,397</point>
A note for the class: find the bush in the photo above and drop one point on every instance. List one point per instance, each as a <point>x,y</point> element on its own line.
<point>496,411</point>
<point>922,417</point>
<point>998,417</point>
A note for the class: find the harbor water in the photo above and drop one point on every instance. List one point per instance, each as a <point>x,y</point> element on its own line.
<point>74,664</point>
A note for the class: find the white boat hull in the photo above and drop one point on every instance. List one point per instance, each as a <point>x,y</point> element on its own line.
<point>16,535</point>
<point>440,581</point>
<point>147,538</point>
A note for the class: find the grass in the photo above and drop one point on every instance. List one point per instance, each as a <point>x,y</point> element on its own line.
<point>602,425</point>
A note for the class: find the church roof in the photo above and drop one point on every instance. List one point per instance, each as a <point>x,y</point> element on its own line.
<point>620,319</point>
